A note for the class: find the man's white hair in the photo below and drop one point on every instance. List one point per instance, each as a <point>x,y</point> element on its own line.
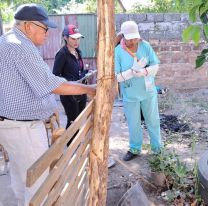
<point>18,22</point>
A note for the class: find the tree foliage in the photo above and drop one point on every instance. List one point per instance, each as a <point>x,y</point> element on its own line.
<point>9,6</point>
<point>53,7</point>
<point>73,6</point>
<point>199,10</point>
<point>87,6</point>
<point>163,6</point>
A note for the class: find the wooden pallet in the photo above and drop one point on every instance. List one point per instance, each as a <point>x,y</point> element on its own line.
<point>68,179</point>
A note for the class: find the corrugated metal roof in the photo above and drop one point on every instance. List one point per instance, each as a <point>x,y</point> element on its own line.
<point>88,27</point>
<point>87,24</point>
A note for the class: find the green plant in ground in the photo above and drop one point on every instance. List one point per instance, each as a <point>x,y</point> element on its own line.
<point>167,101</point>
<point>193,145</point>
<point>181,181</point>
<point>162,162</point>
<point>180,171</point>
<point>146,146</point>
<point>195,171</point>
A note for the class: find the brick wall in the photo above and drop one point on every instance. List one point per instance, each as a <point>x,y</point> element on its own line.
<point>164,31</point>
<point>177,69</point>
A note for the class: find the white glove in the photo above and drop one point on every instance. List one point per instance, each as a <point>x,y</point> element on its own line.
<point>123,76</point>
<point>140,73</point>
<point>152,70</point>
<point>140,64</point>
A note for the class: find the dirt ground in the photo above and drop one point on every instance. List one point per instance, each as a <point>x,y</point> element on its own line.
<point>184,116</point>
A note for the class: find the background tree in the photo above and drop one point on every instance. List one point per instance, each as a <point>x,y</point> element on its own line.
<point>87,6</point>
<point>162,6</point>
<point>199,10</point>
<point>54,7</point>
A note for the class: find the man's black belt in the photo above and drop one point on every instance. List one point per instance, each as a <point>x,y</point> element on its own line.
<point>26,120</point>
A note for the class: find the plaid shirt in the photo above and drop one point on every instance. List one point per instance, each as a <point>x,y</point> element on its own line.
<point>26,81</point>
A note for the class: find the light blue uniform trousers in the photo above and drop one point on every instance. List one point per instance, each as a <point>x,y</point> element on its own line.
<point>150,112</point>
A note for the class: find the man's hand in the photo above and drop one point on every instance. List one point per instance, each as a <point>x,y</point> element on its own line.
<point>92,89</point>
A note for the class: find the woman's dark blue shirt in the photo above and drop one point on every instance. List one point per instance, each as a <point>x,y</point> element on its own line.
<point>67,65</point>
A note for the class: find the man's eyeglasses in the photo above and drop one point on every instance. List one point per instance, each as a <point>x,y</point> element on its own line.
<point>45,28</point>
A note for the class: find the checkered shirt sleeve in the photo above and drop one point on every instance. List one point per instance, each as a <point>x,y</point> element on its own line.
<point>26,81</point>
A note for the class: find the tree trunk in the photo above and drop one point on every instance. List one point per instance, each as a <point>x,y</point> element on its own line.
<point>103,105</point>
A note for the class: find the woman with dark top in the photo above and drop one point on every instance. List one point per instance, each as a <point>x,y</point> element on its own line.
<point>68,64</point>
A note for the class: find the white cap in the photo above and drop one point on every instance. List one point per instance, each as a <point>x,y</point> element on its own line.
<point>130,30</point>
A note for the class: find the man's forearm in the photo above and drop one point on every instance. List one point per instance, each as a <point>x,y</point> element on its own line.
<point>73,88</point>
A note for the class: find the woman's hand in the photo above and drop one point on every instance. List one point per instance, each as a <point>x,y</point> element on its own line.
<point>140,73</point>
<point>138,65</point>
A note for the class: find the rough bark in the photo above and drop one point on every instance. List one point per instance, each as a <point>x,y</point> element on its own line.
<point>103,105</point>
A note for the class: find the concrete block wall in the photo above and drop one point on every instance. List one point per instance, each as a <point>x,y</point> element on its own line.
<point>163,31</point>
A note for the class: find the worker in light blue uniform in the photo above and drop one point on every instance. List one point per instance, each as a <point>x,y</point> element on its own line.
<point>136,64</point>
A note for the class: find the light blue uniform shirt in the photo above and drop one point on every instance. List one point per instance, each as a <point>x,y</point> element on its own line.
<point>134,89</point>
<point>26,81</point>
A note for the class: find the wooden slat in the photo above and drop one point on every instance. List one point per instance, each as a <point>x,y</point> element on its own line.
<point>67,177</point>
<point>67,174</point>
<point>72,194</point>
<point>87,201</point>
<point>86,161</point>
<point>56,172</point>
<point>82,197</point>
<point>87,193</point>
<point>63,196</point>
<point>56,150</point>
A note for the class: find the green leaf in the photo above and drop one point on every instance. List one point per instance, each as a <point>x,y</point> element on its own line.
<point>205,52</point>
<point>202,9</point>
<point>192,12</point>
<point>204,18</point>
<point>196,35</point>
<point>191,33</point>
<point>186,35</point>
<point>205,27</point>
<point>200,60</point>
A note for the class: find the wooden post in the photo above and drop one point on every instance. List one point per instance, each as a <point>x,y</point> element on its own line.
<point>103,105</point>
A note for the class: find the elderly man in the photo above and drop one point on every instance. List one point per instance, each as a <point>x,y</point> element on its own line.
<point>26,94</point>
<point>136,64</point>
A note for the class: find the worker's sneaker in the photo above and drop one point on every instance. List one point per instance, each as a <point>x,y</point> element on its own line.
<point>129,156</point>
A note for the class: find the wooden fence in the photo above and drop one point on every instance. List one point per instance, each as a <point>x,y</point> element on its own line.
<point>68,180</point>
